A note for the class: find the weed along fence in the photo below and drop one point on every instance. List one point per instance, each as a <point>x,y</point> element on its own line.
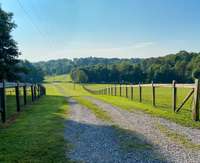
<point>178,97</point>
<point>15,95</point>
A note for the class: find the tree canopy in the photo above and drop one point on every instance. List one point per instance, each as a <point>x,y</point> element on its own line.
<point>182,67</point>
<point>8,47</point>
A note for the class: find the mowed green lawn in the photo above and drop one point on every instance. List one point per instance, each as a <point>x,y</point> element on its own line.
<point>163,95</point>
<point>37,133</point>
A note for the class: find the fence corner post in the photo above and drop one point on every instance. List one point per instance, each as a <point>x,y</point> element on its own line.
<point>174,95</point>
<point>195,108</point>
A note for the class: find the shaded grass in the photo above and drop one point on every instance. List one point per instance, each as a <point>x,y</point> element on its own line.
<point>130,141</point>
<point>178,138</point>
<point>37,133</point>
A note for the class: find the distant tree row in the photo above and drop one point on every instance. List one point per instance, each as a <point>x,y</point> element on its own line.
<point>64,66</point>
<point>55,67</point>
<point>182,67</point>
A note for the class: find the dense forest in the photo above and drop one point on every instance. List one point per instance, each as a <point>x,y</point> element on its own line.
<point>182,67</point>
<point>11,68</point>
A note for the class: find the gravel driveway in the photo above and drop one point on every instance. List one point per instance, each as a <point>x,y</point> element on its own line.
<point>146,125</point>
<point>95,141</point>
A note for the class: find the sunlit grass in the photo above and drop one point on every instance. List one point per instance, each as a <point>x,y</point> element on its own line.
<point>58,78</point>
<point>37,133</point>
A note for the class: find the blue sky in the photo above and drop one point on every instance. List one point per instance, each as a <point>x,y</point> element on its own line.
<point>51,29</point>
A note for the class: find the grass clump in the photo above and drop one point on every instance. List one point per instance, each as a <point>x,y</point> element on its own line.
<point>130,140</point>
<point>177,137</point>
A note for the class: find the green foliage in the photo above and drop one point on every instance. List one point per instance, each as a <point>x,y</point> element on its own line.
<point>30,72</point>
<point>55,67</point>
<point>8,47</point>
<point>182,67</point>
<point>79,76</point>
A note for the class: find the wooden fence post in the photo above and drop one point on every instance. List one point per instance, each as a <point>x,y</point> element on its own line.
<point>126,91</point>
<point>34,89</point>
<point>153,95</point>
<point>17,97</point>
<point>38,86</point>
<point>115,90</point>
<point>3,102</point>
<point>140,92</point>
<point>195,108</point>
<point>120,90</point>
<point>174,95</point>
<point>131,92</point>
<point>32,93</point>
<point>25,94</point>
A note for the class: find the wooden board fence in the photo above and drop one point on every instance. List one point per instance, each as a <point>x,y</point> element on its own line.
<point>37,90</point>
<point>195,91</point>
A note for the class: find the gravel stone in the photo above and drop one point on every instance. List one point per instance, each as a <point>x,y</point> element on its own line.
<point>146,125</point>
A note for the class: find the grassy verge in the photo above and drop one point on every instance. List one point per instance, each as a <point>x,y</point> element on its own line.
<point>37,133</point>
<point>124,103</point>
<point>178,138</point>
<point>99,113</point>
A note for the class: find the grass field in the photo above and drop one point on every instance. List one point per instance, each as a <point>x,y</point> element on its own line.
<point>163,96</point>
<point>36,134</point>
<point>163,101</point>
<point>59,78</point>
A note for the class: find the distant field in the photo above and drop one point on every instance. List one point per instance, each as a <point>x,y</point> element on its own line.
<point>58,78</point>
<point>163,96</point>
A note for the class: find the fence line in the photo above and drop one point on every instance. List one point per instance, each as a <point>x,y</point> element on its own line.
<point>37,90</point>
<point>195,91</point>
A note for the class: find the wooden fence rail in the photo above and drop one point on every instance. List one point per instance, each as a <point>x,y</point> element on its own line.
<point>195,91</point>
<point>37,90</point>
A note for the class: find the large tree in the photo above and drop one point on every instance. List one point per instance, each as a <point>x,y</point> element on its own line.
<point>8,47</point>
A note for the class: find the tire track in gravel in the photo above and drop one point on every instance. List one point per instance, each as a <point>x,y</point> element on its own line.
<point>146,125</point>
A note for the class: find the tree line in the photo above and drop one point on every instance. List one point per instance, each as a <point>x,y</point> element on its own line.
<point>183,67</point>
